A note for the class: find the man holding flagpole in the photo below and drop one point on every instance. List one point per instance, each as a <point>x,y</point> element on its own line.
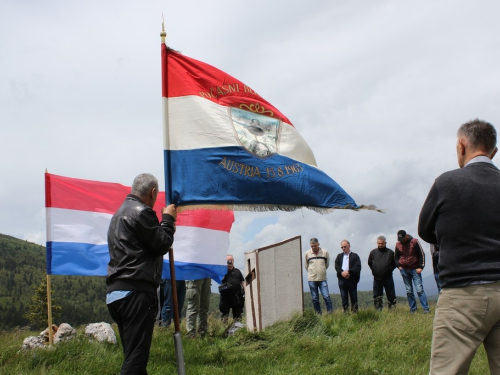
<point>137,242</point>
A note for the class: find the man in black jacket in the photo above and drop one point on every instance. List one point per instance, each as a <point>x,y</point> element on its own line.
<point>137,242</point>
<point>461,215</point>
<point>231,291</point>
<point>348,267</point>
<point>381,262</point>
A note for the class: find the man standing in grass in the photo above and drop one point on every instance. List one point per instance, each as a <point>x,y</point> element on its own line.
<point>381,262</point>
<point>348,267</point>
<point>410,260</point>
<point>461,215</point>
<point>137,243</point>
<point>231,293</point>
<point>316,262</point>
<point>198,294</point>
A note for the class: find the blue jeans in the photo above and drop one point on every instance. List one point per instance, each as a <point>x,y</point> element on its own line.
<point>438,282</point>
<point>408,277</point>
<point>167,311</point>
<point>323,288</point>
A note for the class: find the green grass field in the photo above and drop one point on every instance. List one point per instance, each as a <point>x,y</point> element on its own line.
<point>370,342</point>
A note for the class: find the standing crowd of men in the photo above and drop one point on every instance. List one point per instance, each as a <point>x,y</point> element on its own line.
<point>459,218</point>
<point>408,257</point>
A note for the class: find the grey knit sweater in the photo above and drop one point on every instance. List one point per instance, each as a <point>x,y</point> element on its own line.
<point>462,216</point>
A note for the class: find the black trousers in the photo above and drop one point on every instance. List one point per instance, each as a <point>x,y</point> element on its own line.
<point>349,287</point>
<point>135,316</point>
<point>378,292</point>
<point>228,302</point>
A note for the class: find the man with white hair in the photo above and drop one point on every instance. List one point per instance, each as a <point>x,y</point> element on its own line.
<point>348,267</point>
<point>461,216</point>
<point>137,242</point>
<point>381,262</point>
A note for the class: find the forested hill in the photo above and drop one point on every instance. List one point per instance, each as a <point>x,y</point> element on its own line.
<point>22,269</point>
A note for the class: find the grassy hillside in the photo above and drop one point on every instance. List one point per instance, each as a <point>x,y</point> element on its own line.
<point>370,342</point>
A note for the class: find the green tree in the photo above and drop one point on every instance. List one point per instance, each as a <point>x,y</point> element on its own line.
<point>37,310</point>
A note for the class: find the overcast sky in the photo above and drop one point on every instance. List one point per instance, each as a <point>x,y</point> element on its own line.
<point>377,89</point>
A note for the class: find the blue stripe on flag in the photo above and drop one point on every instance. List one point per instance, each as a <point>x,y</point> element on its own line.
<point>80,259</point>
<point>195,271</point>
<point>232,175</point>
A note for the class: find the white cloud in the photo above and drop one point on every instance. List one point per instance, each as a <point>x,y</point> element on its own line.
<point>377,89</point>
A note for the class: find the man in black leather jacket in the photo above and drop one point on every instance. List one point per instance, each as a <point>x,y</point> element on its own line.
<point>137,242</point>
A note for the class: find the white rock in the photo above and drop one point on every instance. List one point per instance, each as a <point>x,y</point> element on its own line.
<point>33,342</point>
<point>64,332</point>
<point>45,333</point>
<point>236,326</point>
<point>101,332</point>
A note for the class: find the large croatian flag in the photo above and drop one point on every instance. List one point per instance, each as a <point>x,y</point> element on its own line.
<point>78,216</point>
<point>226,145</point>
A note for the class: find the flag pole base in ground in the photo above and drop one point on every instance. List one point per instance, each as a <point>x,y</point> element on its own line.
<point>179,355</point>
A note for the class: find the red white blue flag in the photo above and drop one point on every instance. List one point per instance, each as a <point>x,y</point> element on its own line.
<point>78,216</point>
<point>226,145</point>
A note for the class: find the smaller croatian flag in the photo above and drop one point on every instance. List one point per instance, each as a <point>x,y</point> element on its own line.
<point>78,216</point>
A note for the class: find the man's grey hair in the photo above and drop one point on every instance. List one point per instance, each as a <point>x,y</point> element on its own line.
<point>229,255</point>
<point>314,240</point>
<point>480,134</point>
<point>143,184</point>
<point>345,241</point>
<point>381,238</point>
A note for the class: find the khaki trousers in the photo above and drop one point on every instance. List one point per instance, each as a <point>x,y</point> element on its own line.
<point>465,318</point>
<point>198,294</point>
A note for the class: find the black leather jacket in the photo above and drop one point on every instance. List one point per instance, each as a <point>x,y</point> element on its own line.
<point>137,243</point>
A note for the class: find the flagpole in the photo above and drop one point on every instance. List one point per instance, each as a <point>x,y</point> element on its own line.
<point>49,309</point>
<point>49,293</point>
<point>179,355</point>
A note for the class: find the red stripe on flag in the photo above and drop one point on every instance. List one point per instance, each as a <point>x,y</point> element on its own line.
<point>106,197</point>
<point>208,219</point>
<point>164,85</point>
<point>187,76</point>
<point>83,195</point>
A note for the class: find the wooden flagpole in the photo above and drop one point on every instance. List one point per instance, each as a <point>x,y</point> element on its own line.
<point>179,354</point>
<point>49,292</point>
<point>49,310</point>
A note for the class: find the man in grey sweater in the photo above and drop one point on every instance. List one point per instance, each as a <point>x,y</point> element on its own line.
<point>462,216</point>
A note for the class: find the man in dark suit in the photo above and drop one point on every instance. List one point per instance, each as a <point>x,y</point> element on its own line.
<point>348,267</point>
<point>461,215</point>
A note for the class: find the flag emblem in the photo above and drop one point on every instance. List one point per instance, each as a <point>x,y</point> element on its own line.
<point>257,133</point>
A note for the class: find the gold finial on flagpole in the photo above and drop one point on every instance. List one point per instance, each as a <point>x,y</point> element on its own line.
<point>163,34</point>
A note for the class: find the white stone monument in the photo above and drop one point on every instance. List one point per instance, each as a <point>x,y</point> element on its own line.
<point>273,289</point>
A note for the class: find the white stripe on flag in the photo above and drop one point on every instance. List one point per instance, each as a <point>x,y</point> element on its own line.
<point>195,123</point>
<point>77,226</point>
<point>200,245</point>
